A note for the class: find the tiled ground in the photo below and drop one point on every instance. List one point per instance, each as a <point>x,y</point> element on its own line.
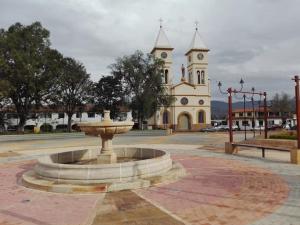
<point>19,205</point>
<point>126,207</point>
<point>220,192</point>
<point>219,189</point>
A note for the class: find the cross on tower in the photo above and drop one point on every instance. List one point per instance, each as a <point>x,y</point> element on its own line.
<point>160,22</point>
<point>196,23</point>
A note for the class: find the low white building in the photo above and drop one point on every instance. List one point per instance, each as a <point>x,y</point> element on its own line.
<point>255,118</point>
<point>50,121</point>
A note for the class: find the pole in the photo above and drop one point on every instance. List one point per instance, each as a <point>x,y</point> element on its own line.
<point>297,110</point>
<point>259,114</point>
<point>265,115</point>
<point>245,131</point>
<point>230,114</point>
<point>253,117</point>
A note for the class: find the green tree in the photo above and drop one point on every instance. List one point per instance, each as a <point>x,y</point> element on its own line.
<point>108,95</point>
<point>72,88</point>
<point>282,104</point>
<point>4,103</point>
<point>25,57</point>
<point>142,82</point>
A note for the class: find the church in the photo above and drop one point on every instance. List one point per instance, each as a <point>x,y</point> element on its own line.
<point>191,109</point>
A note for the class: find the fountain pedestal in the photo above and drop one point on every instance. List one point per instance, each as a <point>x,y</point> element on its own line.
<point>107,155</point>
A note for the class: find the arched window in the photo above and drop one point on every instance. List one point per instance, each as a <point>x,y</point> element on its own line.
<point>202,77</point>
<point>198,76</point>
<point>166,76</point>
<point>165,117</point>
<point>201,117</point>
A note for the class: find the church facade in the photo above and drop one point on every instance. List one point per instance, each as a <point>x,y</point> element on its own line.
<point>191,109</point>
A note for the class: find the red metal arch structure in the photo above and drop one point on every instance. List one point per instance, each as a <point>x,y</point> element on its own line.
<point>231,91</point>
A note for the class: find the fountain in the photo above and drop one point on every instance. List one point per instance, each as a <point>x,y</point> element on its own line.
<point>102,170</point>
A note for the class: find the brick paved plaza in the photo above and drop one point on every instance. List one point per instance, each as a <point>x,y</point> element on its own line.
<point>218,189</point>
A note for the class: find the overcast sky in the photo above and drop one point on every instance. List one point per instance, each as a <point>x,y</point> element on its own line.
<point>258,40</point>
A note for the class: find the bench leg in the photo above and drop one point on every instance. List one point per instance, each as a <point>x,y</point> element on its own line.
<point>295,156</point>
<point>230,148</point>
<point>263,152</point>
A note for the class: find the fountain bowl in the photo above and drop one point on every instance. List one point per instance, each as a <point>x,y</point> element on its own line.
<point>106,127</point>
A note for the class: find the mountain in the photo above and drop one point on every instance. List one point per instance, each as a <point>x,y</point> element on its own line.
<point>219,109</point>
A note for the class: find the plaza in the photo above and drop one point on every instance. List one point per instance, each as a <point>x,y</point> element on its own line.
<point>217,188</point>
<point>113,115</point>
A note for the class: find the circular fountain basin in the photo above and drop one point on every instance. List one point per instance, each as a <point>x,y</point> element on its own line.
<point>78,172</point>
<point>64,166</point>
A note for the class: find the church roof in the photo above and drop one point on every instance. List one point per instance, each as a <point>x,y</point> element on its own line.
<point>162,41</point>
<point>197,43</point>
<point>184,83</point>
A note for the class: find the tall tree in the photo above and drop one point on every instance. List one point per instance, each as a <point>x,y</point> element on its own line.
<point>141,77</point>
<point>108,94</point>
<point>4,103</point>
<point>282,104</point>
<point>72,88</point>
<point>24,65</point>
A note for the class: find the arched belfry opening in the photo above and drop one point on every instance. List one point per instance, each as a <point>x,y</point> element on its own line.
<point>166,76</point>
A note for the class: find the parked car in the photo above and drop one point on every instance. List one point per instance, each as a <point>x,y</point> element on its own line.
<point>226,127</point>
<point>286,127</point>
<point>210,129</point>
<point>242,128</point>
<point>274,127</point>
<point>258,128</point>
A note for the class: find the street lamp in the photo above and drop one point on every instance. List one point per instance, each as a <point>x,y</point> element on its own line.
<point>229,93</point>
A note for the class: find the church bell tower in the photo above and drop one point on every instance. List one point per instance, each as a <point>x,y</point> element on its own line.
<point>197,61</point>
<point>163,50</point>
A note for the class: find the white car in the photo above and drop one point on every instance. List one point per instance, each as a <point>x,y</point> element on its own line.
<point>259,128</point>
<point>226,127</point>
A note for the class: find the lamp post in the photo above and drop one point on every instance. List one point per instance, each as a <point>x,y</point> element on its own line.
<point>296,79</point>
<point>265,115</point>
<point>229,93</point>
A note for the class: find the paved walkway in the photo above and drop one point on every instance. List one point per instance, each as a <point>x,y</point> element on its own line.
<point>219,191</point>
<point>126,207</point>
<point>19,205</point>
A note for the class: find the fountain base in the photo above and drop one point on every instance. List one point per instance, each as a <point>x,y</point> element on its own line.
<point>31,180</point>
<point>80,171</point>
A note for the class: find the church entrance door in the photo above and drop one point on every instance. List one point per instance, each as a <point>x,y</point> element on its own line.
<point>183,122</point>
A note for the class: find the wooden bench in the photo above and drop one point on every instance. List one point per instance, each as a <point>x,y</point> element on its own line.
<point>262,147</point>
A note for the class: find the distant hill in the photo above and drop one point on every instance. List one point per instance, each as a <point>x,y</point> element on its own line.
<point>219,108</point>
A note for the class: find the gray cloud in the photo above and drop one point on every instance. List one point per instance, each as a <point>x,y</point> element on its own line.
<point>256,39</point>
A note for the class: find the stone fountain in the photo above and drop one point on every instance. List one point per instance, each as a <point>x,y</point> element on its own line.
<point>106,129</point>
<point>102,170</point>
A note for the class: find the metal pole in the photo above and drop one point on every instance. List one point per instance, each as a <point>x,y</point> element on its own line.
<point>230,114</point>
<point>265,115</point>
<point>297,110</point>
<point>245,131</point>
<point>259,114</point>
<point>253,117</point>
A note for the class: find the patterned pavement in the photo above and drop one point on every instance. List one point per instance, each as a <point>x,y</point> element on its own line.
<point>220,192</point>
<point>19,205</point>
